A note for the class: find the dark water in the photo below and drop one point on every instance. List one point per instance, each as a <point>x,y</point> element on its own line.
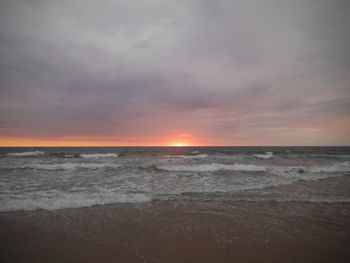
<point>58,177</point>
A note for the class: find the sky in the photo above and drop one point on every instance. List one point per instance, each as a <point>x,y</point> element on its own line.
<point>165,72</point>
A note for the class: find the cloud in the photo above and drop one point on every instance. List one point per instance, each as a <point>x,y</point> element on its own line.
<point>228,69</point>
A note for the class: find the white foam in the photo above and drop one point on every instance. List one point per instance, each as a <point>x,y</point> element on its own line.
<point>212,167</point>
<point>99,155</point>
<point>74,166</point>
<point>313,200</point>
<point>48,201</point>
<point>63,190</point>
<point>266,155</point>
<point>335,168</point>
<point>326,170</point>
<point>24,154</point>
<point>198,156</point>
<point>62,166</point>
<point>310,173</point>
<point>208,197</point>
<point>327,200</point>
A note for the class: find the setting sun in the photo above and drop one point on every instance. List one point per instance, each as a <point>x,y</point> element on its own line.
<point>179,144</point>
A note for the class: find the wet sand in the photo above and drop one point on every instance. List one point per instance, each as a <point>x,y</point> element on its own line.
<point>166,231</point>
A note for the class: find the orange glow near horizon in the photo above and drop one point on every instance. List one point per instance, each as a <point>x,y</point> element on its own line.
<point>86,142</point>
<point>175,141</point>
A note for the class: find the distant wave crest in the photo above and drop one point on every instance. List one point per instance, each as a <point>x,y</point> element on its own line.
<point>99,155</point>
<point>266,155</point>
<point>198,156</point>
<point>62,166</point>
<point>212,167</point>
<point>26,154</point>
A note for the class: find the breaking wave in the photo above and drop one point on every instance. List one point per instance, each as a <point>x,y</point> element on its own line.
<point>99,155</point>
<point>210,197</point>
<point>198,156</point>
<point>212,167</point>
<point>267,155</point>
<point>70,200</point>
<point>62,166</point>
<point>26,154</point>
<point>72,178</point>
<point>335,168</point>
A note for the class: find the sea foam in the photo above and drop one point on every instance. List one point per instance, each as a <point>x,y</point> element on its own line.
<point>213,167</point>
<point>266,155</point>
<point>198,156</point>
<point>335,168</point>
<point>61,166</point>
<point>99,155</point>
<point>25,154</point>
<point>69,200</point>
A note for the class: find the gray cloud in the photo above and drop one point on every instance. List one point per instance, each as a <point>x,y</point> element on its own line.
<point>266,72</point>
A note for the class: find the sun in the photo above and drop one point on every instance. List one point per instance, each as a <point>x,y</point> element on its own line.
<point>179,144</point>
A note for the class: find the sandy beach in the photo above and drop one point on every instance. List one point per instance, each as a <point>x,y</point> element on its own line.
<point>179,232</point>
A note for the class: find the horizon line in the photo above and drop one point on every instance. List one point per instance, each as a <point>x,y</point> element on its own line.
<point>172,146</point>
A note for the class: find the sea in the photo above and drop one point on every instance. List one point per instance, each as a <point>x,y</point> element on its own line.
<point>53,178</point>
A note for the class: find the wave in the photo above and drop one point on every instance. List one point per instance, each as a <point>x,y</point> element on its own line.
<point>69,200</point>
<point>201,184</point>
<point>319,156</point>
<point>71,155</point>
<point>64,155</point>
<point>99,155</point>
<point>266,155</point>
<point>317,200</point>
<point>227,198</point>
<point>62,166</point>
<point>198,156</point>
<point>286,171</point>
<point>335,168</point>
<point>26,154</point>
<point>143,188</point>
<point>214,167</point>
<point>343,167</point>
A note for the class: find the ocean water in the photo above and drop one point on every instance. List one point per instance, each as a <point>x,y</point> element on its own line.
<point>57,178</point>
